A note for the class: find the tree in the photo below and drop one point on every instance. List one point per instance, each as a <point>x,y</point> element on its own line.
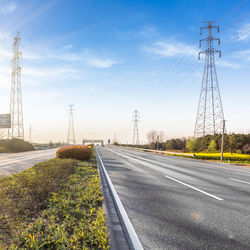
<point>191,145</point>
<point>151,135</point>
<point>212,147</point>
<point>232,142</point>
<point>155,136</point>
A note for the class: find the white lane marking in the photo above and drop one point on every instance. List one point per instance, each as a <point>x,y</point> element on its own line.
<point>199,164</point>
<point>146,164</point>
<point>240,181</point>
<point>197,189</point>
<point>18,157</point>
<point>24,159</point>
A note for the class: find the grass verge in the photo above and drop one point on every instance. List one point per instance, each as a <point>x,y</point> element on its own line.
<point>32,217</point>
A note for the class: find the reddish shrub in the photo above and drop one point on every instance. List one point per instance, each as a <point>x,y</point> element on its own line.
<point>78,152</point>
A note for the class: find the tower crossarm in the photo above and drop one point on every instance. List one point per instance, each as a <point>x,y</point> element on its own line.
<point>201,52</point>
<point>218,51</point>
<point>209,26</point>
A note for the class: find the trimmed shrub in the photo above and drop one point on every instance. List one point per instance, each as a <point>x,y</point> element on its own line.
<point>78,152</point>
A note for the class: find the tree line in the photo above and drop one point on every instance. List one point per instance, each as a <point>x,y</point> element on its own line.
<point>233,143</point>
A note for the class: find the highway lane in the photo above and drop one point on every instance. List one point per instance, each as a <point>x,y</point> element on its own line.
<point>178,203</point>
<point>16,162</point>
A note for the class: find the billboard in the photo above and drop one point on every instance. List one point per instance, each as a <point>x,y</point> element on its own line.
<point>5,121</point>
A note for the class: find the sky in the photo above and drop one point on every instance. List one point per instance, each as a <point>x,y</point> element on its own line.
<point>109,58</point>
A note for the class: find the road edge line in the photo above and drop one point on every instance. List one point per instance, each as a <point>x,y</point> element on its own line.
<point>133,238</point>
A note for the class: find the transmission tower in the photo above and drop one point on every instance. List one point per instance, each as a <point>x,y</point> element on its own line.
<point>71,131</point>
<point>136,131</point>
<point>16,107</point>
<point>210,116</point>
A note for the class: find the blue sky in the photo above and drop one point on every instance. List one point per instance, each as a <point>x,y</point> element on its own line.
<point>109,58</point>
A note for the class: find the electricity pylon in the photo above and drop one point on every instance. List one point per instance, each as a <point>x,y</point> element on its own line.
<point>71,131</point>
<point>210,116</point>
<point>16,107</point>
<point>136,130</point>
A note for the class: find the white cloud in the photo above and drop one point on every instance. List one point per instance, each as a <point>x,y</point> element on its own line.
<point>47,72</point>
<point>171,49</point>
<point>227,64</point>
<point>70,57</point>
<point>7,9</point>
<point>68,46</point>
<point>100,63</point>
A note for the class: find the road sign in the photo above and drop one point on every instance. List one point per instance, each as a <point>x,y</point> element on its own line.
<point>108,141</point>
<point>5,121</point>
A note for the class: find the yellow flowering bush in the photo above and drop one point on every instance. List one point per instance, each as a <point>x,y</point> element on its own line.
<point>226,156</point>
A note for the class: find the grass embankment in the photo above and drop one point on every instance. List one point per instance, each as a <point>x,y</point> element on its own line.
<point>53,205</point>
<point>15,145</point>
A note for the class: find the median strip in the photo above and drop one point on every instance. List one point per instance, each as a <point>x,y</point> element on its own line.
<point>197,189</point>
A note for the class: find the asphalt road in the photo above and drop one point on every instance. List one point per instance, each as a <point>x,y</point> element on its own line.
<point>16,162</point>
<point>178,203</point>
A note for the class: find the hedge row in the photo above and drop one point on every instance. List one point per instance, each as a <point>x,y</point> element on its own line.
<point>15,145</point>
<point>226,156</point>
<point>78,152</point>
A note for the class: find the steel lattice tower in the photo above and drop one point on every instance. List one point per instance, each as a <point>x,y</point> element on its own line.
<point>71,131</point>
<point>16,107</point>
<point>210,114</point>
<point>136,130</point>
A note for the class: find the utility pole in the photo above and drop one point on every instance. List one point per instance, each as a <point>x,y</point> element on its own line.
<point>210,116</point>
<point>30,133</point>
<point>222,141</point>
<point>71,131</point>
<point>136,130</point>
<point>16,107</point>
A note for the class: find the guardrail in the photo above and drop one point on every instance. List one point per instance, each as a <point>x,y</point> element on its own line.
<point>131,236</point>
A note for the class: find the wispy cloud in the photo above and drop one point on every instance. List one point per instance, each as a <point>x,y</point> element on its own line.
<point>63,56</point>
<point>101,63</point>
<point>68,46</point>
<point>171,49</point>
<point>227,64</point>
<point>8,8</point>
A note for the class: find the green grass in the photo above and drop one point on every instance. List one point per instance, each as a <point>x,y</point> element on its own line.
<point>53,205</point>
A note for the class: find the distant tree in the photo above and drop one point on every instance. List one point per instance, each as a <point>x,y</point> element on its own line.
<point>232,142</point>
<point>151,136</point>
<point>155,136</point>
<point>51,144</point>
<point>212,147</point>
<point>191,145</point>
